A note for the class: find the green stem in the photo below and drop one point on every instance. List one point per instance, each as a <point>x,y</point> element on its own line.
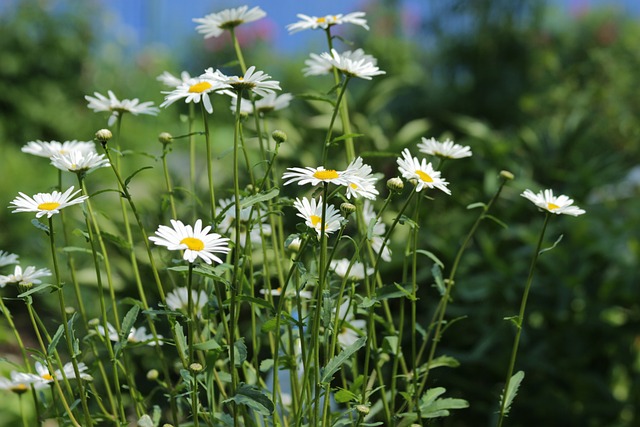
<point>207,137</point>
<point>167,180</point>
<point>327,140</point>
<point>520,319</point>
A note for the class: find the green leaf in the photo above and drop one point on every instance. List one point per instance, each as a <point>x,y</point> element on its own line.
<point>240,349</point>
<point>83,250</point>
<point>552,246</point>
<point>497,221</point>
<point>51,348</point>
<point>254,398</point>
<point>431,256</point>
<point>344,396</point>
<point>347,136</point>
<point>130,177</point>
<point>40,226</point>
<point>259,198</point>
<point>334,364</point>
<point>446,361</point>
<point>437,276</point>
<point>393,291</point>
<point>256,301</point>
<point>477,205</point>
<point>36,289</point>
<point>181,340</point>
<point>390,345</point>
<point>432,406</point>
<point>510,394</point>
<point>127,323</point>
<point>266,365</point>
<point>117,240</point>
<point>208,345</point>
<point>317,97</point>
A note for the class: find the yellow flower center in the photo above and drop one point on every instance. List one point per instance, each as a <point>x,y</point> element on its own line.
<point>47,377</point>
<point>19,388</point>
<point>321,20</point>
<point>424,176</point>
<point>200,87</point>
<point>193,243</point>
<point>315,220</point>
<point>48,206</point>
<point>353,185</point>
<point>552,206</point>
<point>325,174</point>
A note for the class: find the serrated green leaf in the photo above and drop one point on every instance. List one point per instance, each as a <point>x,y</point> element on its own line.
<point>344,396</point>
<point>181,340</point>
<point>266,365</point>
<point>51,348</point>
<point>240,349</point>
<point>259,198</point>
<point>340,359</point>
<point>254,398</point>
<point>432,406</point>
<point>211,344</point>
<point>127,323</point>
<point>510,394</point>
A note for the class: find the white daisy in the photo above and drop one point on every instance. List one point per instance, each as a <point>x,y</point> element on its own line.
<point>112,104</point>
<point>323,22</point>
<point>178,300</point>
<point>52,148</point>
<point>359,181</point>
<point>314,176</point>
<point>359,65</point>
<point>554,204</point>
<point>247,224</point>
<point>444,149</point>
<point>214,24</point>
<point>43,372</point>
<point>316,65</point>
<point>290,292</point>
<point>7,258</point>
<point>269,103</point>
<point>311,212</point>
<point>79,161</point>
<point>255,81</point>
<point>135,335</point>
<point>377,233</point>
<point>172,81</point>
<point>46,203</point>
<point>350,329</point>
<point>356,272</point>
<point>195,90</point>
<point>194,241</point>
<point>21,382</point>
<point>413,169</point>
<point>30,275</point>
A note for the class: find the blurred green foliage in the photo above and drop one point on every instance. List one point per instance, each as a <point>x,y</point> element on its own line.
<point>551,99</point>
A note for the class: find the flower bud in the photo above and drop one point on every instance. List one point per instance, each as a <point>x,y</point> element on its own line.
<point>24,287</point>
<point>195,367</point>
<point>363,409</point>
<point>153,375</point>
<point>294,245</point>
<point>94,323</point>
<point>103,136</point>
<point>395,185</point>
<point>506,175</point>
<point>165,138</point>
<point>347,209</point>
<point>279,136</point>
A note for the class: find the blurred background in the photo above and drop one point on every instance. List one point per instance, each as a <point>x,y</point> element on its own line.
<point>545,89</point>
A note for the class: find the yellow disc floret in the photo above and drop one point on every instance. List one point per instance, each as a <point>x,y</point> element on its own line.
<point>193,243</point>
<point>424,176</point>
<point>326,174</point>
<point>200,87</point>
<point>48,206</point>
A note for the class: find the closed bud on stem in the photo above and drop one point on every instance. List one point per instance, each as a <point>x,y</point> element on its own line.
<point>165,138</point>
<point>153,375</point>
<point>395,185</point>
<point>103,136</point>
<point>195,367</point>
<point>363,409</point>
<point>347,209</point>
<point>279,136</point>
<point>506,175</point>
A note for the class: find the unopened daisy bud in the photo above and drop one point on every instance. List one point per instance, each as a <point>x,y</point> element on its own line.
<point>506,175</point>
<point>279,136</point>
<point>294,246</point>
<point>24,287</point>
<point>195,367</point>
<point>395,185</point>
<point>363,409</point>
<point>94,323</point>
<point>165,138</point>
<point>69,310</point>
<point>167,425</point>
<point>347,209</point>
<point>153,375</point>
<point>103,136</point>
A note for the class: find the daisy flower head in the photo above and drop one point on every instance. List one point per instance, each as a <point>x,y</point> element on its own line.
<point>314,176</point>
<point>276,292</point>
<point>446,149</point>
<point>255,81</point>
<point>378,231</point>
<point>51,148</point>
<point>135,335</point>
<point>248,226</point>
<point>350,328</point>
<point>178,300</point>
<point>116,107</point>
<point>43,372</point>
<point>353,64</point>
<point>316,65</point>
<point>420,171</point>
<point>214,24</point>
<point>356,272</point>
<point>311,212</point>
<point>172,81</point>
<point>359,181</point>
<point>79,161</point>
<point>20,382</point>
<point>29,275</point>
<point>555,204</point>
<point>269,103</point>
<point>323,22</point>
<point>7,258</point>
<point>196,90</point>
<point>47,204</point>
<point>194,241</point>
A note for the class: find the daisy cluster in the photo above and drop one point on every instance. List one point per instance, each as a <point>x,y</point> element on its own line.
<point>21,382</point>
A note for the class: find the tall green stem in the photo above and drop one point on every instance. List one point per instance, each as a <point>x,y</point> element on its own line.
<point>207,136</point>
<point>520,319</point>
